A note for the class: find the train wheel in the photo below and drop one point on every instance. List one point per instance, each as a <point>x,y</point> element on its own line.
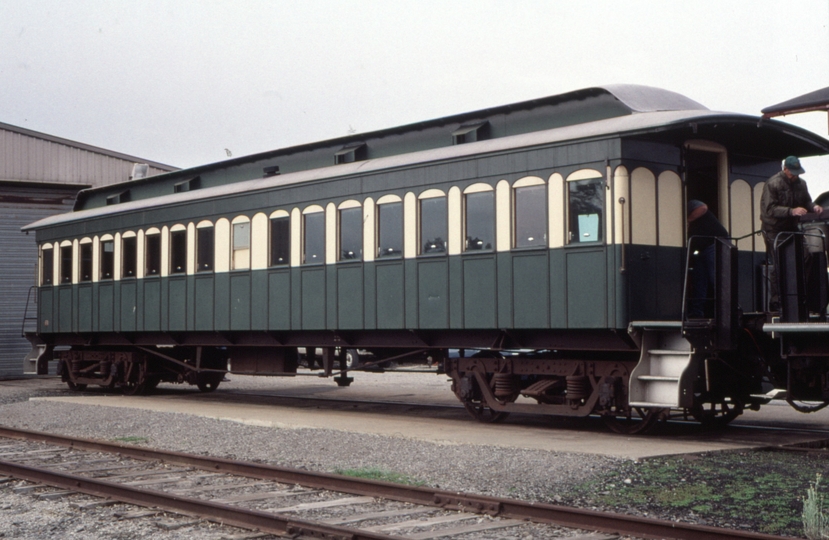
<point>640,420</point>
<point>76,387</point>
<point>136,379</point>
<point>208,382</point>
<point>477,407</point>
<point>716,415</point>
<point>483,413</point>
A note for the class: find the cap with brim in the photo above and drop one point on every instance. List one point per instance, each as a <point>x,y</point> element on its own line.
<point>793,164</point>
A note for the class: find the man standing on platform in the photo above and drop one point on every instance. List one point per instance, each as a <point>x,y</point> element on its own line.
<point>785,198</point>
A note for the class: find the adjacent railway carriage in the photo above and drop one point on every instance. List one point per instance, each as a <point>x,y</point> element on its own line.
<point>554,227</point>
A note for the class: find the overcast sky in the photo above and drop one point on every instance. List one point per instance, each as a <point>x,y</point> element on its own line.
<point>181,81</point>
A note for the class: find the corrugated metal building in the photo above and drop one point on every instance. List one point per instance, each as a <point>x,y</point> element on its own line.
<point>40,176</point>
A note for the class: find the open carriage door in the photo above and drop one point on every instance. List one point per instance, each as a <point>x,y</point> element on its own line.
<point>705,165</point>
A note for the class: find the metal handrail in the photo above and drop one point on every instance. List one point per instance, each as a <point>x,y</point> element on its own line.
<point>26,310</point>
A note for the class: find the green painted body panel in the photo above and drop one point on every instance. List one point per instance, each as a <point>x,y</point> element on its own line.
<point>204,302</point>
<point>65,309</point>
<point>586,288</point>
<point>349,297</point>
<point>479,292</point>
<point>105,316</point>
<point>129,305</point>
<point>433,293</point>
<point>530,290</point>
<point>575,287</point>
<point>152,305</point>
<point>85,313</point>
<point>279,299</point>
<point>177,304</point>
<point>240,300</point>
<point>390,297</point>
<point>313,298</point>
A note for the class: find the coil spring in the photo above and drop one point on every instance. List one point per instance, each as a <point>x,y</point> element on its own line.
<point>578,387</point>
<point>504,385</point>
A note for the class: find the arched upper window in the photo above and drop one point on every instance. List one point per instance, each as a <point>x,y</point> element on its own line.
<point>129,255</point>
<point>585,206</point>
<point>240,243</point>
<point>350,227</point>
<point>479,218</point>
<point>178,249</point>
<point>530,211</point>
<point>107,257</point>
<point>390,226</point>
<point>434,222</point>
<point>85,269</point>
<point>205,247</point>
<point>313,235</point>
<point>47,264</point>
<point>280,238</point>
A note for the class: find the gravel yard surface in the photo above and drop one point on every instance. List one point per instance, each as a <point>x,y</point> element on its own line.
<point>758,491</point>
<point>518,473</point>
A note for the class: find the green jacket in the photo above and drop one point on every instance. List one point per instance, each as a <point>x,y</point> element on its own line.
<point>780,196</point>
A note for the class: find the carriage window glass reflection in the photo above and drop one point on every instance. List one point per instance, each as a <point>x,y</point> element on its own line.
<point>178,252</point>
<point>66,264</point>
<point>280,241</point>
<point>107,259</point>
<point>351,234</point>
<point>480,221</point>
<point>47,261</point>
<point>86,262</point>
<point>314,238</point>
<point>586,203</point>
<point>129,247</point>
<point>530,216</point>
<point>390,229</point>
<point>153,255</point>
<point>204,249</point>
<point>433,225</point>
<point>241,245</point>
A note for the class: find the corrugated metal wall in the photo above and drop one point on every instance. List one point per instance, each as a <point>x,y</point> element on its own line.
<point>30,158</point>
<point>18,259</point>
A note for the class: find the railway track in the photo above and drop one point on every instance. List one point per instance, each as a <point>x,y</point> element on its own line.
<point>289,502</point>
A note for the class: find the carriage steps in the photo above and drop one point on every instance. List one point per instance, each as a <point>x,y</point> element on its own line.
<point>657,380</point>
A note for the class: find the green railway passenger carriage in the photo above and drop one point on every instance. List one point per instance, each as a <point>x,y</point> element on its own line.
<point>554,227</point>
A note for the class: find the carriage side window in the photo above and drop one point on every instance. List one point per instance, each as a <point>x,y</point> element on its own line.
<point>585,199</point>
<point>530,216</point>
<point>178,252</point>
<point>86,262</point>
<point>351,234</point>
<point>241,245</point>
<point>280,241</point>
<point>129,259</point>
<point>434,228</point>
<point>153,255</point>
<point>313,238</point>
<point>480,221</point>
<point>66,264</point>
<point>47,268</point>
<point>204,249</point>
<point>107,259</point>
<point>390,229</point>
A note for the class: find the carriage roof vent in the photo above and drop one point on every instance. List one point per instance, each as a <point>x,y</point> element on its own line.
<point>350,153</point>
<point>471,132</point>
<point>140,170</point>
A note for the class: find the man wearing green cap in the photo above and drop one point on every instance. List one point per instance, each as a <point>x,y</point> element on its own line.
<point>785,198</point>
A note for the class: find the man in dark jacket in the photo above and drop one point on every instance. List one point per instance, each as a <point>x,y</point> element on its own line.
<point>703,230</point>
<point>785,198</point>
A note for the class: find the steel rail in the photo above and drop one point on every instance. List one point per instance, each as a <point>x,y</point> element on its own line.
<point>481,504</point>
<point>216,512</point>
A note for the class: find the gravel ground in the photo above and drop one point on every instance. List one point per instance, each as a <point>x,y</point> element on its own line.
<point>518,473</point>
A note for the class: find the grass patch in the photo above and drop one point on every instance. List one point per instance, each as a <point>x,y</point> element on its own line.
<point>759,491</point>
<point>372,473</point>
<point>132,440</point>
